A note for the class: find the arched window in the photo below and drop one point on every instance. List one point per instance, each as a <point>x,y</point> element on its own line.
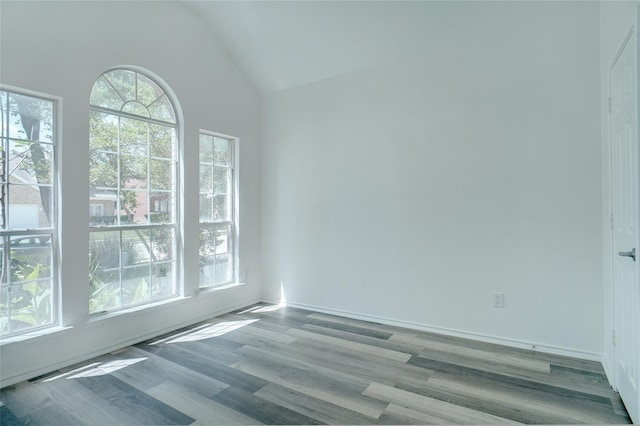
<point>132,198</point>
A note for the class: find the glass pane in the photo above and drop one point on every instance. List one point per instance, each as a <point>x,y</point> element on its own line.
<point>206,178</point>
<point>31,304</point>
<point>3,212</point>
<point>136,108</point>
<point>30,206</point>
<point>136,284</point>
<point>223,268</point>
<point>222,240</point>
<point>104,287</point>
<point>30,162</point>
<point>206,149</point>
<point>124,82</point>
<point>4,309</point>
<point>102,207</point>
<point>162,245</point>
<point>103,169</point>
<point>222,151</point>
<point>30,257</point>
<point>136,247</point>
<point>134,207</point>
<point>133,171</point>
<point>162,141</point>
<point>206,208</point>
<point>216,261</point>
<point>3,242</point>
<point>162,280</point>
<point>207,273</point>
<point>221,178</point>
<point>207,256</point>
<point>221,208</point>
<point>103,95</point>
<point>103,131</point>
<point>162,207</point>
<point>161,172</point>
<point>3,148</point>
<point>148,90</point>
<point>4,109</point>
<point>134,135</point>
<point>30,118</point>
<point>104,275</point>
<point>207,245</point>
<point>104,250</point>
<point>162,110</point>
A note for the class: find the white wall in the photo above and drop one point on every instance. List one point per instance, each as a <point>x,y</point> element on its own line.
<point>616,19</point>
<point>60,48</point>
<point>413,192</point>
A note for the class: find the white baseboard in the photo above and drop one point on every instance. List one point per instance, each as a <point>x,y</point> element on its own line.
<point>270,301</point>
<point>521,344</point>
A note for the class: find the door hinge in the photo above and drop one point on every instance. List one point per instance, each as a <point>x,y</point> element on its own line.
<point>613,337</point>
<point>610,108</point>
<point>611,220</point>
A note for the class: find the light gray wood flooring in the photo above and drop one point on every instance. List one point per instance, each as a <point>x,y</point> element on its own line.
<point>281,365</point>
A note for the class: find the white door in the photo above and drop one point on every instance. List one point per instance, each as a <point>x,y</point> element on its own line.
<point>623,89</point>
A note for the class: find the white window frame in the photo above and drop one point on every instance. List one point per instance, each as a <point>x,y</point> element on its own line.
<point>233,223</point>
<point>176,224</point>
<point>53,230</point>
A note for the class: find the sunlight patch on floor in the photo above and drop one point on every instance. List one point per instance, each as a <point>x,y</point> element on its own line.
<point>97,369</point>
<point>262,309</point>
<point>206,331</point>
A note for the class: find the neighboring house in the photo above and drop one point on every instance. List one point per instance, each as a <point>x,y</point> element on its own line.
<point>103,205</point>
<point>25,205</point>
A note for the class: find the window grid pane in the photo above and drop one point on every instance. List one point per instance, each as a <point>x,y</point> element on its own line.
<point>131,267</point>
<point>216,255</point>
<point>133,93</point>
<point>120,180</point>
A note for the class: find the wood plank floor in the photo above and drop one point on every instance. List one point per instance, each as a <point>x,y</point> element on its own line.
<point>281,365</point>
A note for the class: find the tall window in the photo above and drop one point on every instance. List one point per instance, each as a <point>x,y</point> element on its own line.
<point>217,213</point>
<point>28,284</point>
<point>132,198</point>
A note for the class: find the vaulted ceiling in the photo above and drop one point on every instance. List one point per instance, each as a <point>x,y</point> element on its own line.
<point>283,44</point>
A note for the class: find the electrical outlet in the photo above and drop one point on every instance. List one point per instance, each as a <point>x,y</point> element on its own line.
<point>498,300</point>
<point>246,275</point>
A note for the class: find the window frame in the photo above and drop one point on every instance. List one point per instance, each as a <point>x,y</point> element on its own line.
<point>175,225</point>
<point>54,221</point>
<point>232,224</point>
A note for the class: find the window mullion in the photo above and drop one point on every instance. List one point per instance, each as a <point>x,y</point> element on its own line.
<point>7,266</point>
<point>133,116</point>
<point>149,206</point>
<point>119,176</point>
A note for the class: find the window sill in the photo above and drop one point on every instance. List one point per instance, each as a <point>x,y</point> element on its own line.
<point>98,319</point>
<point>212,289</point>
<point>47,332</point>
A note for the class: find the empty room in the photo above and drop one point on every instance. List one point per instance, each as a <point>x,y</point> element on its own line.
<point>319,212</point>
